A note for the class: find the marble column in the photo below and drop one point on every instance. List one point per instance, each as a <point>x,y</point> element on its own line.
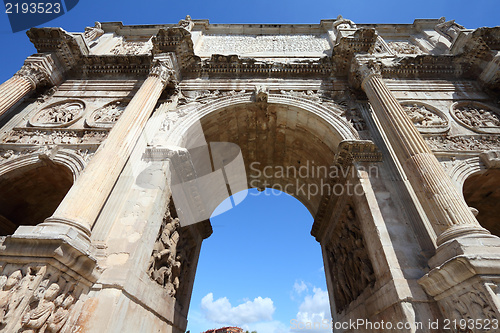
<point>38,70</point>
<point>446,209</point>
<point>84,201</point>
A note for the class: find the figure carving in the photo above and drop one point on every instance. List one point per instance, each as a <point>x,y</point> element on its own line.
<point>186,23</point>
<point>60,316</point>
<point>261,94</point>
<point>110,112</point>
<point>164,261</point>
<point>476,116</point>
<point>58,114</point>
<point>350,267</point>
<point>404,48</point>
<point>422,117</point>
<point>36,318</point>
<point>54,137</point>
<point>92,33</point>
<point>449,29</point>
<point>463,143</point>
<point>7,301</point>
<point>132,48</point>
<point>342,23</point>
<point>171,256</point>
<point>474,304</point>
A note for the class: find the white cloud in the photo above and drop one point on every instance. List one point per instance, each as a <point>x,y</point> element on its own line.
<point>299,288</point>
<point>221,311</point>
<point>314,313</point>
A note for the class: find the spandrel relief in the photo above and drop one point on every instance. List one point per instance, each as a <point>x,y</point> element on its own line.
<point>60,114</point>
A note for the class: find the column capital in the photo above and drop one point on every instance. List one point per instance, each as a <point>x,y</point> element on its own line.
<point>363,68</point>
<point>163,68</point>
<point>40,69</point>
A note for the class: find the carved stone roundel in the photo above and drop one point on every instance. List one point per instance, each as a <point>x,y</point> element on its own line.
<point>477,116</point>
<point>60,114</point>
<point>426,118</point>
<point>106,116</point>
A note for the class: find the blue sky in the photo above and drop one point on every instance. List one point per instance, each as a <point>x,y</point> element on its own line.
<point>261,267</point>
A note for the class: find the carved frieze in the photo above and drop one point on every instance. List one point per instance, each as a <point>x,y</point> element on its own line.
<point>477,116</point>
<point>37,298</point>
<point>48,137</point>
<point>132,48</point>
<point>60,114</point>
<point>426,118</point>
<point>205,96</point>
<point>402,47</point>
<point>463,143</point>
<point>106,116</point>
<point>350,267</point>
<point>472,305</point>
<point>318,96</point>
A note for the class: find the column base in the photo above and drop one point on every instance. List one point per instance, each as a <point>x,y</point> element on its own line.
<point>465,279</point>
<point>458,231</point>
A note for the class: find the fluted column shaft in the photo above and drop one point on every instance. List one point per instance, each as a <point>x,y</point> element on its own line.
<point>444,204</point>
<point>82,204</point>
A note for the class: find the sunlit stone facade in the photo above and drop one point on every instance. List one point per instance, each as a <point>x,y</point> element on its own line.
<point>405,118</point>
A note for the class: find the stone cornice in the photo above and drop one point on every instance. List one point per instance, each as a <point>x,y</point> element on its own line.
<point>116,65</point>
<point>235,66</point>
<point>69,48</point>
<point>176,40</point>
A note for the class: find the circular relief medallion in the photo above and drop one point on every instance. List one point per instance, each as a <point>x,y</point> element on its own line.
<point>106,116</point>
<point>60,114</point>
<point>477,116</point>
<point>426,118</point>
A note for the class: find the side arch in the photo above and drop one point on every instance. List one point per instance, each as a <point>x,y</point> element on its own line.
<point>33,185</point>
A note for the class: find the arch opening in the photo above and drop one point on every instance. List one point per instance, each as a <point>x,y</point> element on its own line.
<point>32,193</point>
<point>260,269</point>
<point>482,192</point>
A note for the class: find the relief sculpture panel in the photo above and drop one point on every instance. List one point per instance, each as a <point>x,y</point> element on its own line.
<point>477,116</point>
<point>350,267</point>
<point>172,257</point>
<point>60,114</point>
<point>37,298</point>
<point>106,116</point>
<point>426,118</point>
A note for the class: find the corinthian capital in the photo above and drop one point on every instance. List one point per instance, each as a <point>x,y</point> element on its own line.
<point>162,67</point>
<point>362,68</point>
<point>41,69</point>
<point>35,73</point>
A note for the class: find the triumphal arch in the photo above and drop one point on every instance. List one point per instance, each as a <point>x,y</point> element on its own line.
<point>117,143</point>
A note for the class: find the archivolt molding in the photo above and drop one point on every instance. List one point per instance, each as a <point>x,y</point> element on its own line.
<point>464,169</point>
<point>329,114</point>
<point>66,157</point>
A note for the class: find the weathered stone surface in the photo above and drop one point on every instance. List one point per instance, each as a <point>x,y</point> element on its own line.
<point>99,126</point>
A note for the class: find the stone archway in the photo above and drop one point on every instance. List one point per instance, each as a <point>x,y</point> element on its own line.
<point>303,149</point>
<point>33,185</point>
<point>482,191</point>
